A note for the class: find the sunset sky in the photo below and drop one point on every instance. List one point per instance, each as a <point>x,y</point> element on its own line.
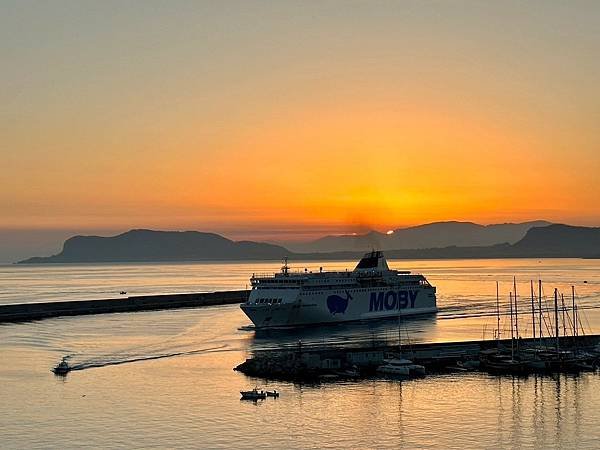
<point>292,119</point>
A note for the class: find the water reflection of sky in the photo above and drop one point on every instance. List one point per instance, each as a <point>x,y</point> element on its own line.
<point>192,400</point>
<point>165,378</point>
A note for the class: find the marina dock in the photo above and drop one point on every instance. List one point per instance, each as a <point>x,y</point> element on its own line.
<point>307,363</point>
<point>35,311</point>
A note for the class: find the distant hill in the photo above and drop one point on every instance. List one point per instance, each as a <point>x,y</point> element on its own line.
<point>148,245</point>
<point>432,235</point>
<point>560,241</point>
<point>552,241</point>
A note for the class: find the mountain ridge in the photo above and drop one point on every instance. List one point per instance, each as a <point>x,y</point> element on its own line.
<point>151,245</point>
<point>141,245</point>
<point>429,235</point>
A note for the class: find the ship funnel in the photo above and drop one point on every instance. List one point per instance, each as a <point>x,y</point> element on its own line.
<point>372,261</point>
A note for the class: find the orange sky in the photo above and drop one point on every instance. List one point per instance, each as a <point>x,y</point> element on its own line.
<point>298,118</point>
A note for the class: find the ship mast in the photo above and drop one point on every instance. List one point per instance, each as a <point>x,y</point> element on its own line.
<point>285,268</point>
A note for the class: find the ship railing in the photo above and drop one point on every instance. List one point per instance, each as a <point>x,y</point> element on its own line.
<point>290,273</point>
<point>263,275</point>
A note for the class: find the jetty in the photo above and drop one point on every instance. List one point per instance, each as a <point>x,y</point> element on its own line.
<point>36,311</point>
<point>309,363</point>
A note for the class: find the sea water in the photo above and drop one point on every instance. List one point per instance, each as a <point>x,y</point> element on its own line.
<point>164,379</point>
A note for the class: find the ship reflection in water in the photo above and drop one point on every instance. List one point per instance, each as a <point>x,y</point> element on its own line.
<point>381,331</point>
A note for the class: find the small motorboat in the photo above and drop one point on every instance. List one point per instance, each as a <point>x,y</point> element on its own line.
<point>62,368</point>
<point>123,292</point>
<point>254,394</point>
<point>272,393</point>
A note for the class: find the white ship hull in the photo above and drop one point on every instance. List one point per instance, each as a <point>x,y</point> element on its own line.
<point>371,291</point>
<point>363,305</point>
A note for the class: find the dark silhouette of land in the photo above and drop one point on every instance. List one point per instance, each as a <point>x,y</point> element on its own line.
<point>148,245</point>
<point>431,235</point>
<point>552,241</point>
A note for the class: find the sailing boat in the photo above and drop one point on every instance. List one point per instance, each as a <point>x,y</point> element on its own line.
<point>557,359</point>
<point>401,367</point>
<point>498,360</point>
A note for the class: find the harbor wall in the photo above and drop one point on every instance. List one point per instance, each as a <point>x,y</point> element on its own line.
<point>307,363</point>
<point>429,352</point>
<point>35,311</point>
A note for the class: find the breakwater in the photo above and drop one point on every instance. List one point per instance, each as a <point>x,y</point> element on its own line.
<point>312,363</point>
<point>36,311</point>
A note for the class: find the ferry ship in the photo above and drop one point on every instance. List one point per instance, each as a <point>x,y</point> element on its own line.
<point>371,291</point>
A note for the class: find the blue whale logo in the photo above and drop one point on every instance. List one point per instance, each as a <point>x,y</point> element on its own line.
<point>337,304</point>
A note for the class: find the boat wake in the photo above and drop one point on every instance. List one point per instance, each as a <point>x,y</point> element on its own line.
<point>113,361</point>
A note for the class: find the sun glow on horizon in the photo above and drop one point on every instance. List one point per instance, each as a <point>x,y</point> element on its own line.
<point>299,120</point>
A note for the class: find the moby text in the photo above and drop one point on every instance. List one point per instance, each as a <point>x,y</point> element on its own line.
<point>392,300</point>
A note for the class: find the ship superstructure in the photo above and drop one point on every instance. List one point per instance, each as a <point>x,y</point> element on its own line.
<point>372,290</point>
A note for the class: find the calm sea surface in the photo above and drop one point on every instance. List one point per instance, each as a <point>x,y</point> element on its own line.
<point>164,379</point>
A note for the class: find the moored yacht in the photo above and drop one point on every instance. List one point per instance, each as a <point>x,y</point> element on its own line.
<point>371,291</point>
<point>401,367</point>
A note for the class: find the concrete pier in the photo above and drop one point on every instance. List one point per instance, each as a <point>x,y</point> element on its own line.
<point>35,311</point>
<point>311,362</point>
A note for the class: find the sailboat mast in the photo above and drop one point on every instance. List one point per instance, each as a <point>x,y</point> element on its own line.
<point>497,311</point>
<point>556,316</point>
<point>540,308</point>
<point>512,334</point>
<point>399,335</point>
<point>516,309</point>
<point>574,312</point>
<point>532,310</point>
<point>564,309</point>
